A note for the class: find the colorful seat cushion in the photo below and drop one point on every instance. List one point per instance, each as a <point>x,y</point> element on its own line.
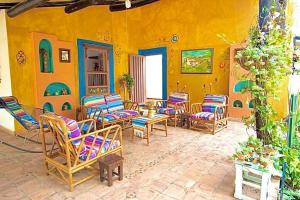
<point>73,132</point>
<point>140,122</point>
<point>120,114</point>
<point>16,110</point>
<point>204,116</point>
<point>95,101</point>
<point>114,103</point>
<point>169,111</point>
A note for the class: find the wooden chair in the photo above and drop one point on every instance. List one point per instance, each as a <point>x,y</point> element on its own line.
<point>210,115</point>
<point>73,151</point>
<point>177,103</point>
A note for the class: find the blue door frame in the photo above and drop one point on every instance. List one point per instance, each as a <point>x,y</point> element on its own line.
<point>163,52</point>
<point>81,70</point>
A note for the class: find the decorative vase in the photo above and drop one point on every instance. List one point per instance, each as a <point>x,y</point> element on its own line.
<point>151,112</point>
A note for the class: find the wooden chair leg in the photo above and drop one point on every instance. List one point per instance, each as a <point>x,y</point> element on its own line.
<point>120,172</point>
<point>109,176</point>
<point>71,186</point>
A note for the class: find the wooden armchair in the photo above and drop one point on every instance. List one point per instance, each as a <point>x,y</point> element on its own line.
<point>210,115</point>
<point>73,151</point>
<point>177,103</point>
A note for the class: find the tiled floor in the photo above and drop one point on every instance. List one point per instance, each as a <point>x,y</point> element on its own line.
<point>185,165</point>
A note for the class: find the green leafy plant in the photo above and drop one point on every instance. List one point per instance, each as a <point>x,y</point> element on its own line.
<point>267,59</point>
<point>128,80</point>
<point>255,153</point>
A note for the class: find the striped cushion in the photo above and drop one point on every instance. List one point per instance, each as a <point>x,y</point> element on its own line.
<point>215,99</point>
<point>140,122</point>
<point>95,101</point>
<point>120,114</point>
<point>16,110</point>
<point>73,132</point>
<point>169,111</point>
<point>114,103</point>
<point>212,101</point>
<point>204,116</point>
<point>178,97</point>
<point>73,129</point>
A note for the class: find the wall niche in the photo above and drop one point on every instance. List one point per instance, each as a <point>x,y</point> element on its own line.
<point>57,89</point>
<point>45,55</point>
<point>237,104</point>
<point>48,107</point>
<point>66,106</point>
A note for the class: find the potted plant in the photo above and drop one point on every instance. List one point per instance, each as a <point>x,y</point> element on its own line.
<point>128,81</point>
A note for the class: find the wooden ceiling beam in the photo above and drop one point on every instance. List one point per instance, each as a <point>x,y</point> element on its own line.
<point>134,4</point>
<point>24,6</point>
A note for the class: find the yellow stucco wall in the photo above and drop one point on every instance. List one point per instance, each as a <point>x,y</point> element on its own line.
<point>198,24</point>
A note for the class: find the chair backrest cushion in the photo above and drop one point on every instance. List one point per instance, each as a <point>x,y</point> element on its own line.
<point>178,97</point>
<point>73,129</point>
<point>114,103</point>
<point>95,101</point>
<point>15,109</point>
<point>211,101</point>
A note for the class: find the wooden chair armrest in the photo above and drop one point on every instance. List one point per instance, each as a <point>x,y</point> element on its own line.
<point>91,125</point>
<point>95,113</point>
<point>161,103</point>
<point>196,108</point>
<point>131,105</point>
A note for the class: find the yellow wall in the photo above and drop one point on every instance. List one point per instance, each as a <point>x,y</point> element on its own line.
<point>198,24</point>
<point>94,23</point>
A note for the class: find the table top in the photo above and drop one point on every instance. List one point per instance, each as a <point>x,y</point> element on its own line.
<point>156,118</point>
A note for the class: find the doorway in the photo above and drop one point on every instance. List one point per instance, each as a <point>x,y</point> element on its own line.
<point>154,79</point>
<point>156,72</point>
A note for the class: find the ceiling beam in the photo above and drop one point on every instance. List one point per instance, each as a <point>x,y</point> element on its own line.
<point>134,4</point>
<point>24,6</point>
<point>85,3</point>
<point>47,4</point>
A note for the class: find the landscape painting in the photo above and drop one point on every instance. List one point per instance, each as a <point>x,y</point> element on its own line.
<point>197,61</point>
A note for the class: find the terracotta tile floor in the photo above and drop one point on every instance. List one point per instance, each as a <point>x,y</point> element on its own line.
<point>185,165</point>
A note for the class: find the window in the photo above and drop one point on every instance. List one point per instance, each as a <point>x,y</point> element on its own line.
<point>96,70</point>
<point>154,81</point>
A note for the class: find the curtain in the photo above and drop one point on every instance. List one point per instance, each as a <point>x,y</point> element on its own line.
<point>137,69</point>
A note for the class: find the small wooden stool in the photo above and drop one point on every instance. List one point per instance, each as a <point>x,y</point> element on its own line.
<point>109,163</point>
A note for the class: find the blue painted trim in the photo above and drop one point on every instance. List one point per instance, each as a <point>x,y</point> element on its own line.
<point>163,52</point>
<point>81,71</point>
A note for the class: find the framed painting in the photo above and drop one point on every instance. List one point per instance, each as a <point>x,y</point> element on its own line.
<point>197,61</point>
<point>64,55</point>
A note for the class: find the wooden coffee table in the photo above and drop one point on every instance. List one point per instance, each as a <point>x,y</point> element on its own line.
<point>145,123</point>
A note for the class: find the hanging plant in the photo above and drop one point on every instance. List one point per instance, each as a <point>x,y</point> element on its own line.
<point>268,59</point>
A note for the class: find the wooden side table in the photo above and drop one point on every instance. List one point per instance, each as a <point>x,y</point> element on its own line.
<point>149,126</point>
<point>185,119</point>
<point>110,163</point>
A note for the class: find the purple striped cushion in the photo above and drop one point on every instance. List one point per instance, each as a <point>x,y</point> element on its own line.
<point>204,116</point>
<point>178,97</point>
<point>215,99</point>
